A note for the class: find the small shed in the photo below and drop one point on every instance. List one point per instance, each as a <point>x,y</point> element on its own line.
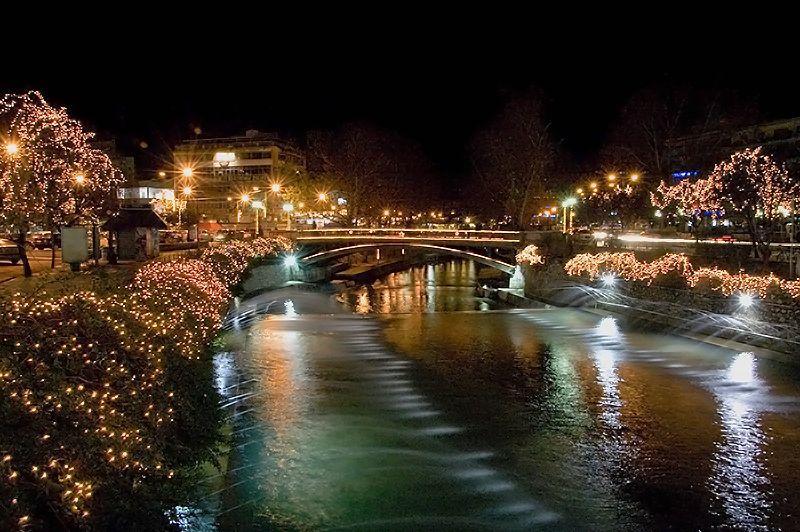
<point>137,232</point>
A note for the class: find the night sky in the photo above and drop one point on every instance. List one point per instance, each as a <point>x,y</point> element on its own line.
<point>438,92</point>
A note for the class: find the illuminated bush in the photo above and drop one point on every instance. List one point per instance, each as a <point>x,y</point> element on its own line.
<point>671,267</point>
<point>107,402</point>
<point>530,256</point>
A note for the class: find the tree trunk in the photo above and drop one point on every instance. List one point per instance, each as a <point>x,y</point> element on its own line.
<point>23,253</point>
<point>52,249</point>
<point>112,255</point>
<point>95,244</point>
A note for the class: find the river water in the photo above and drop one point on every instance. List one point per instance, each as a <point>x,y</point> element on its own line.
<point>410,404</point>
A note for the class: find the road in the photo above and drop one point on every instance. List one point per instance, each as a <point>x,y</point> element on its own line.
<point>39,259</point>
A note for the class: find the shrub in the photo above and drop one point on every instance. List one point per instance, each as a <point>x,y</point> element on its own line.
<point>108,403</point>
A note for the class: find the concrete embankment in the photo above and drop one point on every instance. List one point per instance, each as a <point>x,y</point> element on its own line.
<point>741,333</point>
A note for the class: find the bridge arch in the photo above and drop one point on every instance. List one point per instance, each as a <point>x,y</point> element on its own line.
<point>461,253</point>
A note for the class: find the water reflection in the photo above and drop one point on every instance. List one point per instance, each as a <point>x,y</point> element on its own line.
<point>496,420</point>
<point>448,286</point>
<point>739,480</point>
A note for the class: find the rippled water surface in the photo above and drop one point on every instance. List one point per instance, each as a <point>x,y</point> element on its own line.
<point>412,405</point>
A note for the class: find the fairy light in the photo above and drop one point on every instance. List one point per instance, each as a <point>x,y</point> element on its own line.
<point>114,350</point>
<point>37,183</point>
<point>530,255</point>
<point>750,181</point>
<point>625,266</point>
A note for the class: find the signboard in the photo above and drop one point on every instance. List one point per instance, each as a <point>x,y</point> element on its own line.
<point>74,246</point>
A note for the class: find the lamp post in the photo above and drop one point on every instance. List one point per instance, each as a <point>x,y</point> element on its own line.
<point>258,205</point>
<point>567,205</point>
<point>186,192</point>
<point>243,200</point>
<point>288,208</point>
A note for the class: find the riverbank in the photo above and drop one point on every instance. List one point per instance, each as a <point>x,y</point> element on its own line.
<point>718,330</point>
<point>107,403</point>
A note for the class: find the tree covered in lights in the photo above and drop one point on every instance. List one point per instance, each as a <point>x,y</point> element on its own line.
<point>749,188</point>
<point>50,175</point>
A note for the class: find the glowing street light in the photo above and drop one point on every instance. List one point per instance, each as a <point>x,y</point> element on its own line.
<point>593,185</point>
<point>290,261</point>
<point>567,204</point>
<point>275,188</point>
<point>746,300</point>
<point>579,190</point>
<point>12,148</point>
<point>162,173</point>
<point>288,208</point>
<point>634,178</point>
<point>322,196</point>
<point>187,171</point>
<point>80,179</point>
<point>386,212</point>
<point>608,279</point>
<point>612,177</point>
<point>187,191</point>
<point>245,198</point>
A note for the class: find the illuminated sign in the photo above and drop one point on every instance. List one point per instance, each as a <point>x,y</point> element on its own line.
<point>685,174</point>
<point>224,158</point>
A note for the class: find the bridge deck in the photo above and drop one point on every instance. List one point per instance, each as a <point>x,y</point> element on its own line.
<point>457,237</point>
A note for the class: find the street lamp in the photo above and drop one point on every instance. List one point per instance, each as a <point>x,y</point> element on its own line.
<point>288,208</point>
<point>258,205</point>
<point>275,188</point>
<point>186,193</point>
<point>80,179</point>
<point>243,200</point>
<point>567,204</point>
<point>322,196</point>
<point>187,171</point>
<point>12,148</point>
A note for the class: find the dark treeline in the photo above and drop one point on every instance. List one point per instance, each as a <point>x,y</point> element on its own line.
<point>516,163</point>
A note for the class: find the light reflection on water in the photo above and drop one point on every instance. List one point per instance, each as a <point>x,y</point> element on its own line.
<point>448,286</point>
<point>502,420</point>
<point>739,479</point>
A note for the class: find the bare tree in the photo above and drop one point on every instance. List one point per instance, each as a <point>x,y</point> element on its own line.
<point>371,168</point>
<point>514,158</point>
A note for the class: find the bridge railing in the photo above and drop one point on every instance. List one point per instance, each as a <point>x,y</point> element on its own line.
<point>434,234</point>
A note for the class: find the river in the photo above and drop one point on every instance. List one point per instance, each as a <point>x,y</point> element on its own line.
<point>410,404</point>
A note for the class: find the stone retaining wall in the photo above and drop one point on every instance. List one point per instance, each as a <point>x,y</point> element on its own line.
<point>766,324</point>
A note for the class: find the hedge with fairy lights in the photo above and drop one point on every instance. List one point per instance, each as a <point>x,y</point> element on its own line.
<point>106,402</point>
<point>626,266</point>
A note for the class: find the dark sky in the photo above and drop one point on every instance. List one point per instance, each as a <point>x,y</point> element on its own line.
<point>437,91</point>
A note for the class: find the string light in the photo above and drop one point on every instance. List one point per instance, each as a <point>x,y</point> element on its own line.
<point>86,376</point>
<point>625,266</point>
<point>530,255</point>
<point>50,154</point>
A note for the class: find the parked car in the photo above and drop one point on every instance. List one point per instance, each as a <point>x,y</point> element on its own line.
<point>9,251</point>
<point>44,239</point>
